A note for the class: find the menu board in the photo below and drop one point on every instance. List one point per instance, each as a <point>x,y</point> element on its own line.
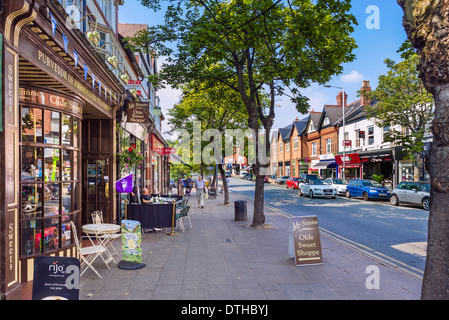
<point>306,240</point>
<point>56,278</point>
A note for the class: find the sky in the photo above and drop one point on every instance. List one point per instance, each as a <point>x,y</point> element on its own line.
<point>378,35</point>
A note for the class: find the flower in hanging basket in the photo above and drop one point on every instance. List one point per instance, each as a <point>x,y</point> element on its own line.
<point>94,37</point>
<point>130,157</point>
<point>113,61</point>
<point>125,78</point>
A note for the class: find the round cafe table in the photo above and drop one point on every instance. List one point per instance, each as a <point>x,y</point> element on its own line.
<point>101,231</point>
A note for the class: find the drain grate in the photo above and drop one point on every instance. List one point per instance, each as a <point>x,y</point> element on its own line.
<point>227,240</point>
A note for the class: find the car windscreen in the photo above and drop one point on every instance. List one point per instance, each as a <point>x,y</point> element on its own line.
<point>296,179</point>
<point>425,187</point>
<point>317,182</point>
<point>338,181</point>
<point>368,183</point>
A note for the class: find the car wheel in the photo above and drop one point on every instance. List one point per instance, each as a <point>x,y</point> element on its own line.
<point>394,201</point>
<point>311,194</point>
<point>365,196</point>
<point>426,204</point>
<point>300,193</point>
<point>281,183</point>
<point>348,195</point>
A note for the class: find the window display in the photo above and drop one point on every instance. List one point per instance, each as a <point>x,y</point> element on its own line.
<point>50,179</point>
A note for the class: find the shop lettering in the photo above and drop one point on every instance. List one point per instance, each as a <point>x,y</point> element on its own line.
<point>10,87</point>
<point>10,163</point>
<point>52,65</point>
<point>11,246</point>
<point>55,268</point>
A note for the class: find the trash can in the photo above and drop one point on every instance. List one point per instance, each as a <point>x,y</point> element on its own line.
<point>240,210</point>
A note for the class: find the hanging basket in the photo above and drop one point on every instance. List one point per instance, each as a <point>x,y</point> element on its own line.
<point>130,157</point>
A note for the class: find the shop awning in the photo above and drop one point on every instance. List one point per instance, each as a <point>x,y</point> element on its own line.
<point>350,159</point>
<point>325,164</point>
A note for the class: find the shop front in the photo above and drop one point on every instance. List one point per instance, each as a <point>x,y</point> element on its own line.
<point>380,163</point>
<point>56,139</point>
<point>351,164</point>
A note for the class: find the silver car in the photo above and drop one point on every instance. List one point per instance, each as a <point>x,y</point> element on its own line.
<point>411,192</point>
<point>339,184</point>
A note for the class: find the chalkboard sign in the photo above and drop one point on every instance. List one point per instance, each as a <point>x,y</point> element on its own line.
<point>306,240</point>
<point>56,278</point>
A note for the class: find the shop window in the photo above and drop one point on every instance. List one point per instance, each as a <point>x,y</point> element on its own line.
<point>329,146</point>
<point>49,181</point>
<point>370,135</point>
<point>31,125</point>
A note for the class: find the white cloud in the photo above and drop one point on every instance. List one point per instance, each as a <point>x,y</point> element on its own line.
<point>352,77</point>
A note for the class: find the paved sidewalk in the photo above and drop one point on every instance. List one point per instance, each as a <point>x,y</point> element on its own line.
<point>223,259</point>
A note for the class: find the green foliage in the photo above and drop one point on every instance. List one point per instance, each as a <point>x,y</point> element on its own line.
<point>377,178</point>
<point>403,105</point>
<point>130,157</point>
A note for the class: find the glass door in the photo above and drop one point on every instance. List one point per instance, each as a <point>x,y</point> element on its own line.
<point>95,195</point>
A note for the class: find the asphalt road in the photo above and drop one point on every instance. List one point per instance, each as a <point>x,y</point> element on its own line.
<point>395,236</point>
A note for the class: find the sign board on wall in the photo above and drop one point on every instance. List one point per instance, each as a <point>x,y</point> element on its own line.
<point>305,241</point>
<point>137,111</point>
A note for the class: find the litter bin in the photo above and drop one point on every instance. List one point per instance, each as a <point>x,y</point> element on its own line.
<point>240,210</point>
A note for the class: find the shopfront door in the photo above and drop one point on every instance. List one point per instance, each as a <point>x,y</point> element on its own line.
<point>96,187</point>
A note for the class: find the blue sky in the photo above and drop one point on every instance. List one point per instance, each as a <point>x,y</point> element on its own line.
<point>374,46</point>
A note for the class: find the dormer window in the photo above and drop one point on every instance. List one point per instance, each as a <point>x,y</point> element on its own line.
<point>326,121</point>
<point>311,127</point>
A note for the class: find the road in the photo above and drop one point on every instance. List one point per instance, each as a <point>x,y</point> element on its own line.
<point>395,236</point>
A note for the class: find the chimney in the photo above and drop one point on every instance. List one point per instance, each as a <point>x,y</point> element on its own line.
<point>365,87</point>
<point>340,99</point>
<point>296,119</point>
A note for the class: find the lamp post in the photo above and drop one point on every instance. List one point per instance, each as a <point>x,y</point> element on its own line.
<point>344,141</point>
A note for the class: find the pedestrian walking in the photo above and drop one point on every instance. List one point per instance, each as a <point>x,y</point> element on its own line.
<point>180,186</point>
<point>200,186</point>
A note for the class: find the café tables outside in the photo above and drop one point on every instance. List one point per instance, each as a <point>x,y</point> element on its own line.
<point>97,230</point>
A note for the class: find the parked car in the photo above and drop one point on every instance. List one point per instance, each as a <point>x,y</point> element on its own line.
<point>282,180</point>
<point>293,182</point>
<point>228,174</point>
<point>248,176</point>
<point>367,189</point>
<point>339,184</point>
<point>243,173</point>
<point>317,188</point>
<point>411,192</point>
<point>304,177</point>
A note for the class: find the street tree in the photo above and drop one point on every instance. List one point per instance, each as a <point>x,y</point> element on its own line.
<point>427,26</point>
<point>404,106</point>
<point>216,107</point>
<point>272,46</point>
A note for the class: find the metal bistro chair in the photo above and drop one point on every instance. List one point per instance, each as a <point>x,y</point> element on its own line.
<point>87,254</point>
<point>97,218</point>
<point>185,212</point>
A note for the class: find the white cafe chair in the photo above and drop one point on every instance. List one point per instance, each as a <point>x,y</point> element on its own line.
<point>87,254</point>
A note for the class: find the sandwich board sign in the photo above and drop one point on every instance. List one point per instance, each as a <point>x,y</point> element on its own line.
<point>305,242</point>
<point>56,278</point>
<point>131,245</point>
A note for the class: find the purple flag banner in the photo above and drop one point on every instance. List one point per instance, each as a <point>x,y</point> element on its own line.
<point>125,185</point>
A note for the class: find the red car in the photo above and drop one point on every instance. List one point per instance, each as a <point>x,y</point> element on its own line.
<point>293,182</point>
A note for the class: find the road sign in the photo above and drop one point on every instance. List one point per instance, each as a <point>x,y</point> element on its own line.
<point>305,240</point>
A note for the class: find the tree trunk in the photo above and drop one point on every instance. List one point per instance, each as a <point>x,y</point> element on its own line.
<point>225,184</point>
<point>436,274</point>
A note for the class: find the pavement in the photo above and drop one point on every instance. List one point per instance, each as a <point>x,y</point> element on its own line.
<point>223,259</point>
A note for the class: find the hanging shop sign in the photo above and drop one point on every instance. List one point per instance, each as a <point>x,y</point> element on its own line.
<point>137,111</point>
<point>305,241</point>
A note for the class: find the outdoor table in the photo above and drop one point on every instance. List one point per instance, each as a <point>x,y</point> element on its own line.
<point>99,229</point>
<point>154,215</point>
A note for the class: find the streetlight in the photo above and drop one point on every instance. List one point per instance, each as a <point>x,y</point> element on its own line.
<point>344,141</point>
